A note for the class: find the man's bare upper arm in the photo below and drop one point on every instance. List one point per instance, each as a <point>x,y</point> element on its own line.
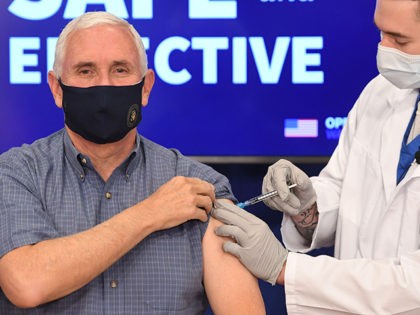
<point>230,287</point>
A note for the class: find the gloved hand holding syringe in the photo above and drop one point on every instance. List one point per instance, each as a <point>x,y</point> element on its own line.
<point>261,198</point>
<point>252,241</point>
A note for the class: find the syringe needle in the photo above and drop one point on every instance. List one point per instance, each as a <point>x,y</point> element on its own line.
<point>261,197</point>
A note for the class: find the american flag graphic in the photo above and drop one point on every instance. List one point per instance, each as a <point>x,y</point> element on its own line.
<point>300,128</point>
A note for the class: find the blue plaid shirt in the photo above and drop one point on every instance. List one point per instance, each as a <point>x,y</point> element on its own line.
<point>49,190</point>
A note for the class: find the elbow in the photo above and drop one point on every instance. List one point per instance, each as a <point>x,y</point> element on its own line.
<point>23,293</point>
<point>24,300</point>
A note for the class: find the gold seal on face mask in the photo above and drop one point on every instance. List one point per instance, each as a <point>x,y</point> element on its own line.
<point>132,115</point>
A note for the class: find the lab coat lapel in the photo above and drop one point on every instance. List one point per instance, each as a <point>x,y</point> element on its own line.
<point>392,137</point>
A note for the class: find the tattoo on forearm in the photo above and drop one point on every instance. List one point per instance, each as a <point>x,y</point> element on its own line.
<point>306,222</point>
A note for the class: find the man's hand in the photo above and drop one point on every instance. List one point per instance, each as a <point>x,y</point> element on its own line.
<point>256,246</point>
<point>279,176</point>
<point>179,200</point>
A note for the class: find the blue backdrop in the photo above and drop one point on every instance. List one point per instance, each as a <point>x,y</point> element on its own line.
<point>233,77</point>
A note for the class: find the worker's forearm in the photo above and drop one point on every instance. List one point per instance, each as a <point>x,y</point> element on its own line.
<point>306,222</point>
<point>51,269</point>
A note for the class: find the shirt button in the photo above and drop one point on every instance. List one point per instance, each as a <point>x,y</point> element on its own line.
<point>108,195</point>
<point>84,161</point>
<point>113,284</point>
<point>82,176</point>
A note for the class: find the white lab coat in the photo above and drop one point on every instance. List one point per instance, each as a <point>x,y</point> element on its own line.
<point>373,223</point>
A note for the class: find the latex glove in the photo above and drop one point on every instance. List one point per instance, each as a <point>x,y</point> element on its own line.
<point>292,201</point>
<point>257,248</point>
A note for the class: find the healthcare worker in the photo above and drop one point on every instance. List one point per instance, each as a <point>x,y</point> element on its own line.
<point>365,202</point>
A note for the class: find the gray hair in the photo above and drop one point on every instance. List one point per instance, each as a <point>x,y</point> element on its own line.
<point>89,20</point>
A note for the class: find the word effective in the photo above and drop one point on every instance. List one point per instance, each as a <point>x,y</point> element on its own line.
<point>25,54</point>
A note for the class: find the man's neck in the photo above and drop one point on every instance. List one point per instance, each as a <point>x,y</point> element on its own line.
<point>105,157</point>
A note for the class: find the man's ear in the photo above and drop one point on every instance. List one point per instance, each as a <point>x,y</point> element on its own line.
<point>149,80</point>
<point>55,88</point>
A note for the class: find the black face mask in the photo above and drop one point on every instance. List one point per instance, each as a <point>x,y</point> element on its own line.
<point>102,114</point>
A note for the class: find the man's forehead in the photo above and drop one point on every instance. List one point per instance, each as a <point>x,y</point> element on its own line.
<point>400,11</point>
<point>103,36</point>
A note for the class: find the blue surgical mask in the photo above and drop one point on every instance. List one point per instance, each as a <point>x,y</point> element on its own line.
<point>102,114</point>
<point>401,69</point>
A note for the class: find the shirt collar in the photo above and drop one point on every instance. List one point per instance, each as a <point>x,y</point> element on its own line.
<point>133,159</point>
<point>72,155</point>
<point>80,161</point>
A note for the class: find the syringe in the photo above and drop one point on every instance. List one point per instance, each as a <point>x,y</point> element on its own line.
<point>261,197</point>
